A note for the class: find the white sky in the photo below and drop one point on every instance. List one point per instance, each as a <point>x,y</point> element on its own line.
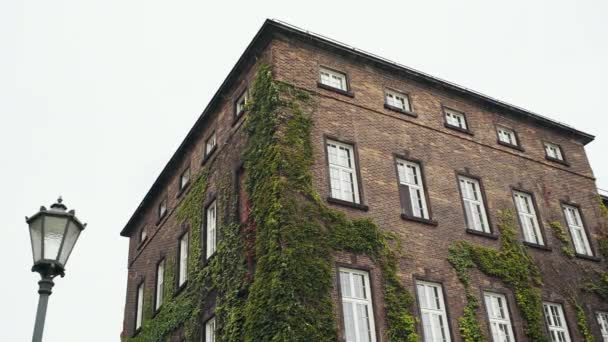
<point>95,96</point>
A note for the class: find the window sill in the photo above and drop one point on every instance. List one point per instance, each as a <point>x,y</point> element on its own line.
<point>142,243</point>
<point>559,161</point>
<point>180,288</point>
<point>182,190</point>
<point>459,129</point>
<point>537,246</point>
<point>237,117</point>
<point>347,204</point>
<point>137,331</point>
<point>337,90</point>
<point>160,219</point>
<point>483,234</point>
<point>419,220</point>
<point>209,155</point>
<point>399,110</point>
<point>156,311</point>
<point>515,147</point>
<point>587,257</point>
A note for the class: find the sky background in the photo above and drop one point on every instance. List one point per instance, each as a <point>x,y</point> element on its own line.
<point>95,96</point>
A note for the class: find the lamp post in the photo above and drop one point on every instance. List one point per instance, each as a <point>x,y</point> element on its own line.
<point>53,233</point>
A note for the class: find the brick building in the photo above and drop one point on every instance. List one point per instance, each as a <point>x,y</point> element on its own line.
<point>425,159</point>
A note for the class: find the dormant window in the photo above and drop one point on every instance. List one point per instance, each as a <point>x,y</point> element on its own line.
<point>357,306</point>
<point>333,79</point>
<point>455,118</point>
<point>210,144</point>
<point>577,230</point>
<point>602,321</point>
<point>211,228</point>
<point>210,330</point>
<point>432,309</point>
<point>397,100</point>
<point>498,315</point>
<point>553,151</point>
<point>241,102</point>
<point>411,189</point>
<point>160,284</point>
<point>527,218</point>
<point>139,310</point>
<point>474,207</point>
<point>342,172</point>
<point>507,136</point>
<point>556,322</point>
<point>184,179</point>
<point>183,260</point>
<point>162,208</point>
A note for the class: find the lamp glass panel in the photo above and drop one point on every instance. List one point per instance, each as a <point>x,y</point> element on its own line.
<point>36,237</point>
<point>54,229</point>
<point>71,236</point>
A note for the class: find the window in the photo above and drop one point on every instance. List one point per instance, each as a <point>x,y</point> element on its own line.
<point>342,172</point>
<point>553,151</point>
<point>602,321</point>
<point>397,100</point>
<point>333,79</point>
<point>455,118</point>
<point>506,136</point>
<point>210,330</point>
<point>577,230</point>
<point>210,144</point>
<point>241,102</point>
<point>357,306</point>
<point>211,228</point>
<point>183,260</point>
<point>556,322</point>
<point>139,310</point>
<point>143,234</point>
<point>184,179</point>
<point>432,309</point>
<point>411,189</point>
<point>527,218</point>
<point>474,207</point>
<point>162,208</point>
<point>160,284</point>
<point>498,315</point>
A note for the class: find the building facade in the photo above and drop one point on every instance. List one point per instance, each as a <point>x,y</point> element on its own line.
<point>426,160</point>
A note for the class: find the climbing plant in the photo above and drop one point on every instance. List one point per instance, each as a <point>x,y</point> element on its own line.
<point>561,235</point>
<point>511,264</point>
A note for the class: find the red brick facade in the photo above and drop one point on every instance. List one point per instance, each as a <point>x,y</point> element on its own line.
<point>379,134</point>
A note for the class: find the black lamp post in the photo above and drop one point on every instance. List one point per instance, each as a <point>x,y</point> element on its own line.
<point>53,233</point>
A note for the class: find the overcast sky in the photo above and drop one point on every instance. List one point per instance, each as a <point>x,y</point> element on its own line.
<point>95,96</point>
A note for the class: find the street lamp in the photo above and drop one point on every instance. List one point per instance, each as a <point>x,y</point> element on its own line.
<point>53,233</point>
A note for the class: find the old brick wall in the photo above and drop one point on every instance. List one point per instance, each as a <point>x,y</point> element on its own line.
<point>379,133</point>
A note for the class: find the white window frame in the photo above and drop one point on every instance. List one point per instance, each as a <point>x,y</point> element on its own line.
<point>332,78</point>
<point>349,297</point>
<point>398,100</point>
<point>241,102</point>
<point>455,118</point>
<point>499,318</point>
<point>211,228</point>
<point>577,230</point>
<point>507,136</point>
<point>210,330</point>
<point>340,176</point>
<point>183,259</point>
<point>210,144</point>
<point>553,151</point>
<point>143,234</point>
<point>433,313</point>
<point>528,219</point>
<point>162,208</point>
<point>472,198</point>
<point>184,178</point>
<point>139,309</point>
<point>414,181</point>
<point>160,285</point>
<point>556,322</point>
<point>602,321</point>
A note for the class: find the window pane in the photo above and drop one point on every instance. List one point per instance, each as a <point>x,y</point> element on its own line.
<point>356,306</point>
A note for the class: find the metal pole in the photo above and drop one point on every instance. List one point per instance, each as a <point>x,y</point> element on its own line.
<point>46,285</point>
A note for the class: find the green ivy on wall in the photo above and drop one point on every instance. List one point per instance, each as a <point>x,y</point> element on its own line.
<point>561,235</point>
<point>511,264</point>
